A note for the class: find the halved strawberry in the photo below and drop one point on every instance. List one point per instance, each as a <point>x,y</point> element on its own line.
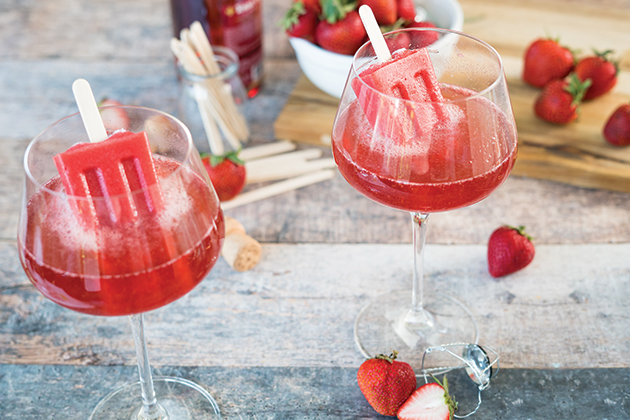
<point>429,402</point>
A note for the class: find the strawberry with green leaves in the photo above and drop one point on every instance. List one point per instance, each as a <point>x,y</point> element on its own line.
<point>546,60</point>
<point>300,21</point>
<point>386,383</point>
<point>559,101</point>
<point>342,35</point>
<point>429,402</point>
<point>617,128</point>
<point>510,249</point>
<point>601,69</point>
<point>227,174</point>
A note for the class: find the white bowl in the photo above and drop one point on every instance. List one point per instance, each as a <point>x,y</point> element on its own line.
<point>328,70</point>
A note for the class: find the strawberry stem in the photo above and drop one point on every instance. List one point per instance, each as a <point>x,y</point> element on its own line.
<point>521,231</point>
<point>577,88</point>
<point>217,159</point>
<point>389,358</point>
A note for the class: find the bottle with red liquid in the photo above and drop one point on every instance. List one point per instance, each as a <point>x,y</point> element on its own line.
<point>235,24</point>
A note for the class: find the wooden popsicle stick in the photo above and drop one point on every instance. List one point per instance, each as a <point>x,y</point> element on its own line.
<point>283,159</point>
<point>88,109</point>
<point>278,188</point>
<point>281,172</point>
<point>257,152</point>
<point>199,39</point>
<point>374,33</point>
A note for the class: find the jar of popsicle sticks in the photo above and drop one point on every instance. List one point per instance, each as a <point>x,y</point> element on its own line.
<point>213,101</point>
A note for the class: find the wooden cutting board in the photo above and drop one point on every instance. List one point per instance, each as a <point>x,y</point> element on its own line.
<point>577,153</point>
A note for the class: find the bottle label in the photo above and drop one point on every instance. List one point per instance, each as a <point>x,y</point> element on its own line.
<point>241,24</point>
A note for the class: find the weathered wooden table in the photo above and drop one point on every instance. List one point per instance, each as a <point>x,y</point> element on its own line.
<point>277,342</point>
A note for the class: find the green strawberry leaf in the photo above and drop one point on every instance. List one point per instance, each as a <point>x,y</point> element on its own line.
<point>335,10</point>
<point>292,16</point>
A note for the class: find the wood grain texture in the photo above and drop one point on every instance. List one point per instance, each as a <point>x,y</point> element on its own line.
<point>297,308</point>
<point>575,154</point>
<point>70,393</point>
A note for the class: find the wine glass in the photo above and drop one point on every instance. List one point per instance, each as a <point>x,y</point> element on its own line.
<point>429,152</point>
<point>129,266</point>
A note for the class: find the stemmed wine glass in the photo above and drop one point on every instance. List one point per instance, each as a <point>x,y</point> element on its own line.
<point>125,268</point>
<point>423,156</point>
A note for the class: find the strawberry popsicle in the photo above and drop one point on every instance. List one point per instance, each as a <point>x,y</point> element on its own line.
<point>409,76</point>
<point>115,176</point>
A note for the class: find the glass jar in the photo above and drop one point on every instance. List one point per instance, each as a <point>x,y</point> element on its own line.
<point>234,24</point>
<point>215,107</point>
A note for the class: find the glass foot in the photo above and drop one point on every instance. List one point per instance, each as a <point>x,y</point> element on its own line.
<point>384,325</point>
<point>179,398</point>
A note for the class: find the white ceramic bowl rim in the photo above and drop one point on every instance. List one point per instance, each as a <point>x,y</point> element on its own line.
<point>448,34</point>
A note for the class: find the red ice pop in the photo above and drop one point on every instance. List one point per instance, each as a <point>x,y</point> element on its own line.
<point>409,75</point>
<point>106,173</point>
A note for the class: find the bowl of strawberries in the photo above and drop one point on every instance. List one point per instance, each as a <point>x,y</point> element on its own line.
<point>325,34</point>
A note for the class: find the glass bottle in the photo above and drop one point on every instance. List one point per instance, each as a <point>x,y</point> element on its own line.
<point>235,24</point>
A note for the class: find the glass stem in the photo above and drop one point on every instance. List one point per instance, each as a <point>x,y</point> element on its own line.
<point>417,318</point>
<point>419,222</point>
<point>150,408</point>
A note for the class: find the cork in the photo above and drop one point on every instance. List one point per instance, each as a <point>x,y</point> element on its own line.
<point>241,251</point>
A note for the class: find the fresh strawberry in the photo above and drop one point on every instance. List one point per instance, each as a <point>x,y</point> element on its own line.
<point>386,383</point>
<point>617,128</point>
<point>227,174</point>
<point>509,250</point>
<point>335,10</point>
<point>429,402</point>
<point>425,38</point>
<point>602,71</point>
<point>406,10</point>
<point>385,11</point>
<point>113,118</point>
<point>313,5</point>
<point>300,22</point>
<point>546,60</point>
<point>342,37</point>
<point>559,101</point>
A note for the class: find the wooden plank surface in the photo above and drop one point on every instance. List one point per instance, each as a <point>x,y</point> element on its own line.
<point>255,339</point>
<point>70,393</point>
<point>575,154</point>
<point>568,309</point>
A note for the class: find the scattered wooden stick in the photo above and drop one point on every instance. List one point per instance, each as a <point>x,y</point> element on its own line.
<point>264,150</point>
<point>287,170</point>
<point>278,188</point>
<point>241,251</point>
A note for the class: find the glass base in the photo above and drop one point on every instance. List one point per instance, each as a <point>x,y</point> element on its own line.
<point>180,399</point>
<point>380,328</point>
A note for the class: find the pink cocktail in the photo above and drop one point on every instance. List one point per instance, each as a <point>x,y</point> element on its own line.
<point>122,229</point>
<point>429,130</point>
